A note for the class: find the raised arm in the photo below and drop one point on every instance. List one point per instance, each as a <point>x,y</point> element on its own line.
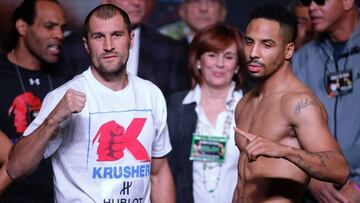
<point>162,184</point>
<point>29,150</point>
<point>5,146</point>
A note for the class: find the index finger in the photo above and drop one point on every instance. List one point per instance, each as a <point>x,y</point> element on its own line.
<point>247,135</point>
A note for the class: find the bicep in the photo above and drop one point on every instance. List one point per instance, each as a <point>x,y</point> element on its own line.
<point>157,164</point>
<point>308,117</point>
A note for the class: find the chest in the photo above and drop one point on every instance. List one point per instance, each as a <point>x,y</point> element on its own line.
<point>266,118</point>
<point>107,117</point>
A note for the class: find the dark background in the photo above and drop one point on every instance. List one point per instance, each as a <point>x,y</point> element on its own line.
<point>164,12</point>
<point>238,11</point>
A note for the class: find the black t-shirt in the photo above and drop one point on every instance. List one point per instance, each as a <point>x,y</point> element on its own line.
<point>22,92</point>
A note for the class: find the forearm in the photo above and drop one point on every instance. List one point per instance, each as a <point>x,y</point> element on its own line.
<point>5,180</point>
<point>328,166</point>
<point>162,186</point>
<point>29,150</point>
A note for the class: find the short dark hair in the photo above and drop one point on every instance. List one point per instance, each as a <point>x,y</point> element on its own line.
<point>106,11</point>
<point>216,38</point>
<point>27,12</point>
<point>280,14</point>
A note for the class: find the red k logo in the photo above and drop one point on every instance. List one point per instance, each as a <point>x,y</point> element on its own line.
<point>113,140</point>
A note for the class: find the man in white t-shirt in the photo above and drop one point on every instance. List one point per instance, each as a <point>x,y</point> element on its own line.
<point>105,130</point>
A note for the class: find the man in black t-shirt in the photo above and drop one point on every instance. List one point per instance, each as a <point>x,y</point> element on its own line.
<point>27,73</point>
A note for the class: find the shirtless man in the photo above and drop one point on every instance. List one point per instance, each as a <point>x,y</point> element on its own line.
<point>282,130</point>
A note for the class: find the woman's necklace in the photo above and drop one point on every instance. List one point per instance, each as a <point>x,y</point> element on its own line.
<point>207,167</point>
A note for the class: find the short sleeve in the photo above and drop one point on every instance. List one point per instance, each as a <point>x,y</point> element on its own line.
<point>161,145</point>
<point>49,103</point>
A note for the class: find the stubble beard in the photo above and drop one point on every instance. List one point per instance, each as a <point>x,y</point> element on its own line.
<point>111,70</point>
<point>266,75</point>
<point>257,78</point>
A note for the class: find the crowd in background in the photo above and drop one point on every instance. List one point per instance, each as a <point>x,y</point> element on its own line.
<point>200,68</point>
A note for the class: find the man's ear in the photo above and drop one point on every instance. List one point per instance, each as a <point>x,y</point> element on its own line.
<point>182,11</point>
<point>86,45</point>
<point>223,13</point>
<point>289,50</point>
<point>21,26</point>
<point>132,39</point>
<point>348,4</point>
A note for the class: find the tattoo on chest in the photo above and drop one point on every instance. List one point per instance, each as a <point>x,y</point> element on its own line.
<point>303,103</point>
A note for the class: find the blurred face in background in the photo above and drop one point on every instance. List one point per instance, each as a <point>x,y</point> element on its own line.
<point>44,37</point>
<point>201,13</point>
<point>305,30</point>
<point>136,9</point>
<point>326,17</point>
<point>218,68</point>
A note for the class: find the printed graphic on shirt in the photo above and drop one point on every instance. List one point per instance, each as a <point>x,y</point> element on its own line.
<point>119,154</point>
<point>126,188</point>
<point>114,139</point>
<point>25,108</point>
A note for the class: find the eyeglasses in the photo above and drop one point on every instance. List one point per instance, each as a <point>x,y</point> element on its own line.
<point>308,2</point>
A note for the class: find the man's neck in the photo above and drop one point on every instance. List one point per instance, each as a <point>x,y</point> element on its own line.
<point>23,58</point>
<point>275,83</point>
<point>115,82</point>
<point>341,31</point>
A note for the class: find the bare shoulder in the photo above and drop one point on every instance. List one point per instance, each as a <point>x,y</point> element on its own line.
<point>242,103</point>
<point>302,106</point>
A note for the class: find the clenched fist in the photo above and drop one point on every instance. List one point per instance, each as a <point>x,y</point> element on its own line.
<point>72,102</point>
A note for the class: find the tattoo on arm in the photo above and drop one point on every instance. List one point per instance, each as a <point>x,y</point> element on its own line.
<point>322,156</point>
<point>303,103</point>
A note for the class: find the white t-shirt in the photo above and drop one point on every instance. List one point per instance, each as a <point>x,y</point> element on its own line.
<point>103,153</point>
<point>220,179</point>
